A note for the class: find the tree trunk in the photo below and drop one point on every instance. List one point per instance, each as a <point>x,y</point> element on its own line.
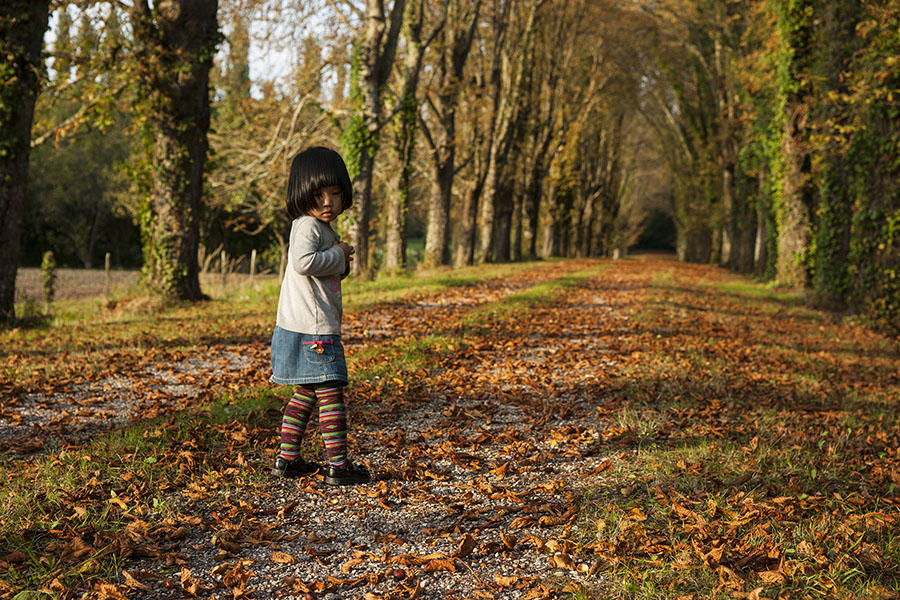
<point>373,59</point>
<point>503,222</point>
<point>486,212</point>
<point>22,27</point>
<point>760,249</point>
<point>549,241</point>
<point>176,43</point>
<point>728,217</point>
<point>795,218</point>
<point>404,138</point>
<point>437,231</point>
<point>531,206</point>
<point>458,32</point>
<point>515,241</point>
<point>465,249</point>
<point>588,232</point>
<point>508,87</point>
<point>395,246</point>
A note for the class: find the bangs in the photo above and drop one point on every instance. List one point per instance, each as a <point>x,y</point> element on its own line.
<point>311,170</point>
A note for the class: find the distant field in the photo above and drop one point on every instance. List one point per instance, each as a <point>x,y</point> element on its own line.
<point>83,283</point>
<point>71,283</point>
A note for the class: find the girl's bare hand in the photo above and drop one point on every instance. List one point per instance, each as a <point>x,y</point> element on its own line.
<point>349,250</point>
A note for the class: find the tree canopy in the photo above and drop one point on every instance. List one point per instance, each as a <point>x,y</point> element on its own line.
<point>763,131</point>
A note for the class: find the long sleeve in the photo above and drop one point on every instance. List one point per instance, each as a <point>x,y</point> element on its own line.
<point>307,259</point>
<point>310,300</point>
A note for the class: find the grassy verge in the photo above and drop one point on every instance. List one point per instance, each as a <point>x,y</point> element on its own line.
<point>754,453</point>
<point>518,304</point>
<point>101,334</point>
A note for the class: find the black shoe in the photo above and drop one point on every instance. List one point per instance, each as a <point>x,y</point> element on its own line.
<point>349,474</point>
<point>293,468</point>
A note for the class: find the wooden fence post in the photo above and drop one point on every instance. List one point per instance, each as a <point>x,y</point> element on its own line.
<point>224,264</point>
<point>252,265</point>
<point>108,274</point>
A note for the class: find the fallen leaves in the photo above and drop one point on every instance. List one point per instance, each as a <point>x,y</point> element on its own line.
<point>530,408</point>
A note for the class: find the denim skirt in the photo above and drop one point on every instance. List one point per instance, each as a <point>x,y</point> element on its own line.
<point>304,358</point>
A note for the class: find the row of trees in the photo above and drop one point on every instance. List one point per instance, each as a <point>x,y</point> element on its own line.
<point>497,129</point>
<point>782,123</point>
<point>482,118</point>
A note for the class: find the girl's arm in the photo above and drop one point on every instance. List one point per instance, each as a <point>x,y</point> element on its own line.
<point>306,259</point>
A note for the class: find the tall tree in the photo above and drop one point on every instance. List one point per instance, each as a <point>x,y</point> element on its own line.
<point>837,42</point>
<point>22,27</point>
<point>371,64</point>
<point>484,100</point>
<point>406,117</point>
<point>453,48</point>
<point>507,84</point>
<point>795,201</point>
<point>175,42</point>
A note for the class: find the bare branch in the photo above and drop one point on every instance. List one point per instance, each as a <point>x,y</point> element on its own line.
<point>342,16</point>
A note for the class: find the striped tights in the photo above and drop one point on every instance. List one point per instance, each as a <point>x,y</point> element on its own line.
<point>332,421</point>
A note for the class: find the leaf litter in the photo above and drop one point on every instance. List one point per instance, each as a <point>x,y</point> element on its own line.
<point>486,462</point>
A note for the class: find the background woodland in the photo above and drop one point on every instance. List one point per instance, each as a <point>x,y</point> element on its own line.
<point>762,135</point>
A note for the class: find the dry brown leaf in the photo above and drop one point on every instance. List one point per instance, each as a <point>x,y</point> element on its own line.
<point>132,582</point>
<point>771,577</point>
<point>14,557</point>
<point>108,591</point>
<point>561,560</point>
<point>508,540</point>
<point>286,510</point>
<point>188,583</point>
<point>345,568</point>
<point>501,470</point>
<point>439,564</point>
<point>283,558</point>
<point>505,581</point>
<point>466,546</point>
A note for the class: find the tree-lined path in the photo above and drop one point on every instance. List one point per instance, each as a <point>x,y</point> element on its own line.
<point>640,428</point>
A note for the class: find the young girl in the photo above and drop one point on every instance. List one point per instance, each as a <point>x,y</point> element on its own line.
<point>306,346</point>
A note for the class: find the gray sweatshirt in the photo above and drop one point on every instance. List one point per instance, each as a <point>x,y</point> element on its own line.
<point>310,300</point>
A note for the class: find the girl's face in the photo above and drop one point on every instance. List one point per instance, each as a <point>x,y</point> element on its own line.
<point>328,204</point>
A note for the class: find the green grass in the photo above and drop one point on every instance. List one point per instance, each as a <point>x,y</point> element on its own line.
<point>519,303</point>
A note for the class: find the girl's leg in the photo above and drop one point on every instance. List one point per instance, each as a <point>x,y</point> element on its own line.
<point>293,424</point>
<point>333,422</point>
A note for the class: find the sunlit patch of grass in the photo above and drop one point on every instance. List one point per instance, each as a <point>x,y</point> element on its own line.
<point>406,285</point>
<point>519,303</point>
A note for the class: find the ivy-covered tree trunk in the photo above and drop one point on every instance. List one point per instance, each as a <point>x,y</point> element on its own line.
<point>795,208</point>
<point>175,44</point>
<point>837,41</point>
<point>875,155</point>
<point>22,27</point>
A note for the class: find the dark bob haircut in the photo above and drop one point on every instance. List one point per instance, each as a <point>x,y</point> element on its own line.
<point>311,170</point>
